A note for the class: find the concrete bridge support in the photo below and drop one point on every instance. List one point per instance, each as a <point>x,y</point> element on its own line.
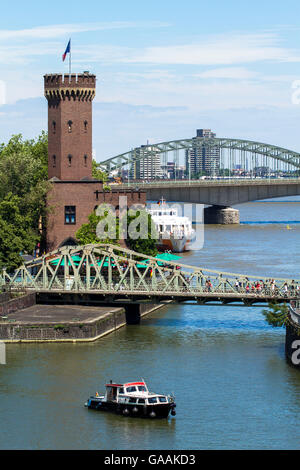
<point>221,215</point>
<point>133,314</point>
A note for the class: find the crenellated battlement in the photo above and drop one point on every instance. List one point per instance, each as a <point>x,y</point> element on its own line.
<point>66,80</point>
<point>80,86</point>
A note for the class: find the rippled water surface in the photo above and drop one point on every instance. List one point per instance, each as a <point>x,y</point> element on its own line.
<point>226,366</point>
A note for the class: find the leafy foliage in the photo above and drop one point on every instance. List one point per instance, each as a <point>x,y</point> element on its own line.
<point>97,173</point>
<point>138,227</point>
<point>23,189</point>
<point>141,232</point>
<point>276,315</point>
<point>103,218</point>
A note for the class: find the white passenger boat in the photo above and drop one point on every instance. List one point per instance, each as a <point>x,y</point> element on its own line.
<point>175,232</point>
<point>133,399</point>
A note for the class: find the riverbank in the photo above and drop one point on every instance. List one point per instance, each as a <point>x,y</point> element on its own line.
<point>63,323</point>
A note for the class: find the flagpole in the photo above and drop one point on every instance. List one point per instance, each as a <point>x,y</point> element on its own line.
<point>70,59</point>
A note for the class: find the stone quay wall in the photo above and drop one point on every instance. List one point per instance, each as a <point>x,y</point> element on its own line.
<point>58,330</point>
<point>18,303</point>
<point>64,331</point>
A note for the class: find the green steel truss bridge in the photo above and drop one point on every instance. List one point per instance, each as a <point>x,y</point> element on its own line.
<point>248,154</point>
<point>106,273</point>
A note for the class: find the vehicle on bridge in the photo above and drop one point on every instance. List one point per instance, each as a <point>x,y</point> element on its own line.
<point>133,399</point>
<point>175,232</point>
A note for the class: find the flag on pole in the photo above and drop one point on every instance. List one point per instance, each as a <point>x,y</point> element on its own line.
<point>68,50</point>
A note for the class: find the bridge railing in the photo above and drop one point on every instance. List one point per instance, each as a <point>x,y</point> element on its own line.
<point>106,269</point>
<point>186,284</point>
<point>208,182</point>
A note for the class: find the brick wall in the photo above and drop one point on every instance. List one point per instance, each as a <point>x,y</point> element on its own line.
<point>83,196</point>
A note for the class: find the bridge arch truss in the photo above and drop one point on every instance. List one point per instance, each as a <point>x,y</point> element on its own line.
<point>233,152</point>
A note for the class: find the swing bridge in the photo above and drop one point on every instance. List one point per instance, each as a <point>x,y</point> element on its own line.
<point>105,274</point>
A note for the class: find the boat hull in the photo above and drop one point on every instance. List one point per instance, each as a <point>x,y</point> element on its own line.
<point>161,410</point>
<point>176,245</point>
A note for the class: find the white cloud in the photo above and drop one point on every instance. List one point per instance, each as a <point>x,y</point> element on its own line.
<point>221,50</point>
<point>234,73</point>
<point>54,31</point>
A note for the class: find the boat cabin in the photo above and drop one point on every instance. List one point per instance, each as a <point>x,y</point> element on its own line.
<point>116,391</point>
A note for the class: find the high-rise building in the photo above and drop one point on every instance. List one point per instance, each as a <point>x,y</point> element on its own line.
<point>149,167</point>
<point>202,157</point>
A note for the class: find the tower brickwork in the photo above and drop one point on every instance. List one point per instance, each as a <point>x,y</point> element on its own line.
<point>74,193</point>
<point>69,99</point>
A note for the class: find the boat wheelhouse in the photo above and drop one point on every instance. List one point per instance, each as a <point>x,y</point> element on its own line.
<point>174,232</point>
<point>133,399</point>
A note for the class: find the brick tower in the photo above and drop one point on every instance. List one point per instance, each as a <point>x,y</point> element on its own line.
<point>70,125</point>
<point>74,193</point>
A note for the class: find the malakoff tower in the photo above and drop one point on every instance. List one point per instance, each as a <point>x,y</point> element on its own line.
<point>74,193</point>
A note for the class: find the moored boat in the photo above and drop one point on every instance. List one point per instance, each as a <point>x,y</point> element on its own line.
<point>175,232</point>
<point>133,399</point>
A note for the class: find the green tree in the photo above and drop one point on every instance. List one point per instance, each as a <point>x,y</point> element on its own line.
<point>141,232</point>
<point>16,233</point>
<point>98,173</point>
<point>137,228</point>
<point>101,222</point>
<point>276,315</point>
<point>23,189</point>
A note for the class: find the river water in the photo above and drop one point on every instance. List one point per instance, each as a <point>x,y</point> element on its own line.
<point>225,365</point>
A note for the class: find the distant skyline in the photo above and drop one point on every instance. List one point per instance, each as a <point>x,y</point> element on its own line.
<point>163,69</point>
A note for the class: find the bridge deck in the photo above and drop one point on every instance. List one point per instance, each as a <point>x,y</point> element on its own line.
<point>107,296</point>
<point>100,273</point>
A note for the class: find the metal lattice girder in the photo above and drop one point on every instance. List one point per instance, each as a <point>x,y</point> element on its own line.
<point>108,269</point>
<point>278,153</point>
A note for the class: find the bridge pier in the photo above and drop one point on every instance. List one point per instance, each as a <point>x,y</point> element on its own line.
<point>221,215</point>
<point>133,314</point>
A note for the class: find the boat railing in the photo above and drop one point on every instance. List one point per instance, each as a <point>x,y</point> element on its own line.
<point>294,310</point>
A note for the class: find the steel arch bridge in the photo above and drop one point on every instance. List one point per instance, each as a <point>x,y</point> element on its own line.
<point>269,152</point>
<point>107,273</point>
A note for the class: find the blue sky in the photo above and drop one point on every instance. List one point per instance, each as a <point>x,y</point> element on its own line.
<point>164,68</point>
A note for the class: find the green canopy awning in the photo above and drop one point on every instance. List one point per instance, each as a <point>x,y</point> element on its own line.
<point>76,259</point>
<point>163,257</point>
<point>167,257</point>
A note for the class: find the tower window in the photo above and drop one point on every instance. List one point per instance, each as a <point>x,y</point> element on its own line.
<point>70,160</point>
<point>54,161</point>
<point>53,127</point>
<point>70,215</point>
<point>85,160</point>
<point>70,126</point>
<point>85,126</point>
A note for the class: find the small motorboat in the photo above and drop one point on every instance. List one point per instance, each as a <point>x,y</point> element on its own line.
<point>133,399</point>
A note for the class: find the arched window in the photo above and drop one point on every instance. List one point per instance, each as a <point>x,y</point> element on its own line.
<point>85,160</point>
<point>70,159</point>
<point>53,127</point>
<point>70,126</point>
<point>85,126</point>
<point>54,161</point>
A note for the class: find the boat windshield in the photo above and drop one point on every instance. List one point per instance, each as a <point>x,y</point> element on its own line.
<point>152,400</point>
<point>130,389</point>
<point>141,388</point>
<point>162,399</point>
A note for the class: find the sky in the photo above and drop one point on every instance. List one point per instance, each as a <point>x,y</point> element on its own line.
<point>164,68</point>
